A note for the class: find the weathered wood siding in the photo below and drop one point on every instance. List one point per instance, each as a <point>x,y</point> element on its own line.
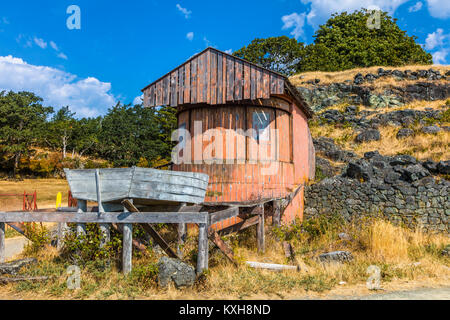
<point>213,77</point>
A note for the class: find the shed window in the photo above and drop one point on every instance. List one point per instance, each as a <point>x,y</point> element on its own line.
<point>261,125</point>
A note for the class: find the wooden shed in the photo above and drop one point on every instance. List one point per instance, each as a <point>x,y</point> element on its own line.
<point>231,112</point>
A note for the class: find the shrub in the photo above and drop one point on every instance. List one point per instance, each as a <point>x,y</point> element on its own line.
<point>38,235</point>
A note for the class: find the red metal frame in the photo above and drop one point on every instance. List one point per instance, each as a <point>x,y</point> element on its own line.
<point>29,200</point>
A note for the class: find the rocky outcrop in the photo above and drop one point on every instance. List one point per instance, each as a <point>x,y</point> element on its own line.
<point>13,268</point>
<point>361,91</point>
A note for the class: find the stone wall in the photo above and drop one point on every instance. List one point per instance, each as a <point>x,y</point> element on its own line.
<point>397,188</point>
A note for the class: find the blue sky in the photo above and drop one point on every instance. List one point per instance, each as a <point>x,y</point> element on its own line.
<point>124,45</point>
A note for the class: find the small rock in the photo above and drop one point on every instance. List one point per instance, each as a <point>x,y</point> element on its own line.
<point>336,256</point>
<point>404,132</point>
<point>344,236</point>
<point>182,274</point>
<point>13,268</point>
<point>446,251</point>
<point>403,159</point>
<point>431,129</point>
<point>368,135</point>
<point>341,283</point>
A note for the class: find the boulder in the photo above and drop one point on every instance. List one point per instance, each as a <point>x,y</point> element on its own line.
<point>443,167</point>
<point>368,135</point>
<point>336,256</point>
<point>360,170</point>
<point>13,268</point>
<point>414,172</point>
<point>404,132</point>
<point>402,160</point>
<point>358,79</point>
<point>182,274</point>
<point>431,129</point>
<point>430,166</point>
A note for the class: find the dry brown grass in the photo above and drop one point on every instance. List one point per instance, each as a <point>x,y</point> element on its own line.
<point>404,256</point>
<point>46,189</point>
<point>341,76</point>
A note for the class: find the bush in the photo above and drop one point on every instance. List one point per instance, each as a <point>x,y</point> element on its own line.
<point>39,236</point>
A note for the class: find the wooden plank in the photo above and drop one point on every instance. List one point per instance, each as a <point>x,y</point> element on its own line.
<point>214,77</point>
<point>82,208</point>
<point>271,266</point>
<point>105,229</point>
<point>230,79</point>
<point>260,231</point>
<point>201,79</point>
<point>260,83</point>
<point>127,246</point>
<point>136,243</point>
<point>238,85</point>
<point>174,89</point>
<point>2,242</point>
<point>207,81</point>
<point>107,217</point>
<point>247,82</point>
<point>152,232</point>
<point>266,84</point>
<point>6,280</point>
<point>240,226</point>
<point>217,240</point>
<point>277,213</point>
<point>166,99</point>
<point>253,82</point>
<point>194,80</point>
<point>273,84</point>
<point>224,79</point>
<point>220,98</point>
<point>181,85</point>
<point>202,256</point>
<point>158,96</point>
<point>182,235</point>
<point>280,85</point>
<point>187,83</point>
<point>152,96</point>
<point>219,216</point>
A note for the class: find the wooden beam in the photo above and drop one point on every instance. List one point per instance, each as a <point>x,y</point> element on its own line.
<point>260,230</point>
<point>276,213</point>
<point>181,232</point>
<point>136,243</point>
<point>219,216</point>
<point>271,266</point>
<point>127,245</point>
<point>107,217</point>
<point>105,229</point>
<point>202,256</point>
<point>2,242</point>
<point>217,240</point>
<point>240,226</point>
<point>82,208</point>
<point>152,232</point>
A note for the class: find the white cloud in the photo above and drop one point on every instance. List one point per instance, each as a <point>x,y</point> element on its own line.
<point>190,36</point>
<point>187,13</point>
<point>54,46</point>
<point>435,39</point>
<point>87,97</point>
<point>62,56</point>
<point>40,42</point>
<point>440,57</point>
<point>320,10</point>
<point>138,99</point>
<point>229,51</point>
<point>439,8</point>
<point>296,21</point>
<point>416,7</point>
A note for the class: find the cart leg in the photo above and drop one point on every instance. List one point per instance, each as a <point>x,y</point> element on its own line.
<point>202,259</point>
<point>260,230</point>
<point>2,242</point>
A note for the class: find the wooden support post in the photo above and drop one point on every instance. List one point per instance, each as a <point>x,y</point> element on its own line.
<point>217,240</point>
<point>127,254</point>
<point>82,208</point>
<point>62,230</point>
<point>202,257</point>
<point>277,213</point>
<point>260,229</point>
<point>105,228</point>
<point>2,242</point>
<point>181,230</point>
